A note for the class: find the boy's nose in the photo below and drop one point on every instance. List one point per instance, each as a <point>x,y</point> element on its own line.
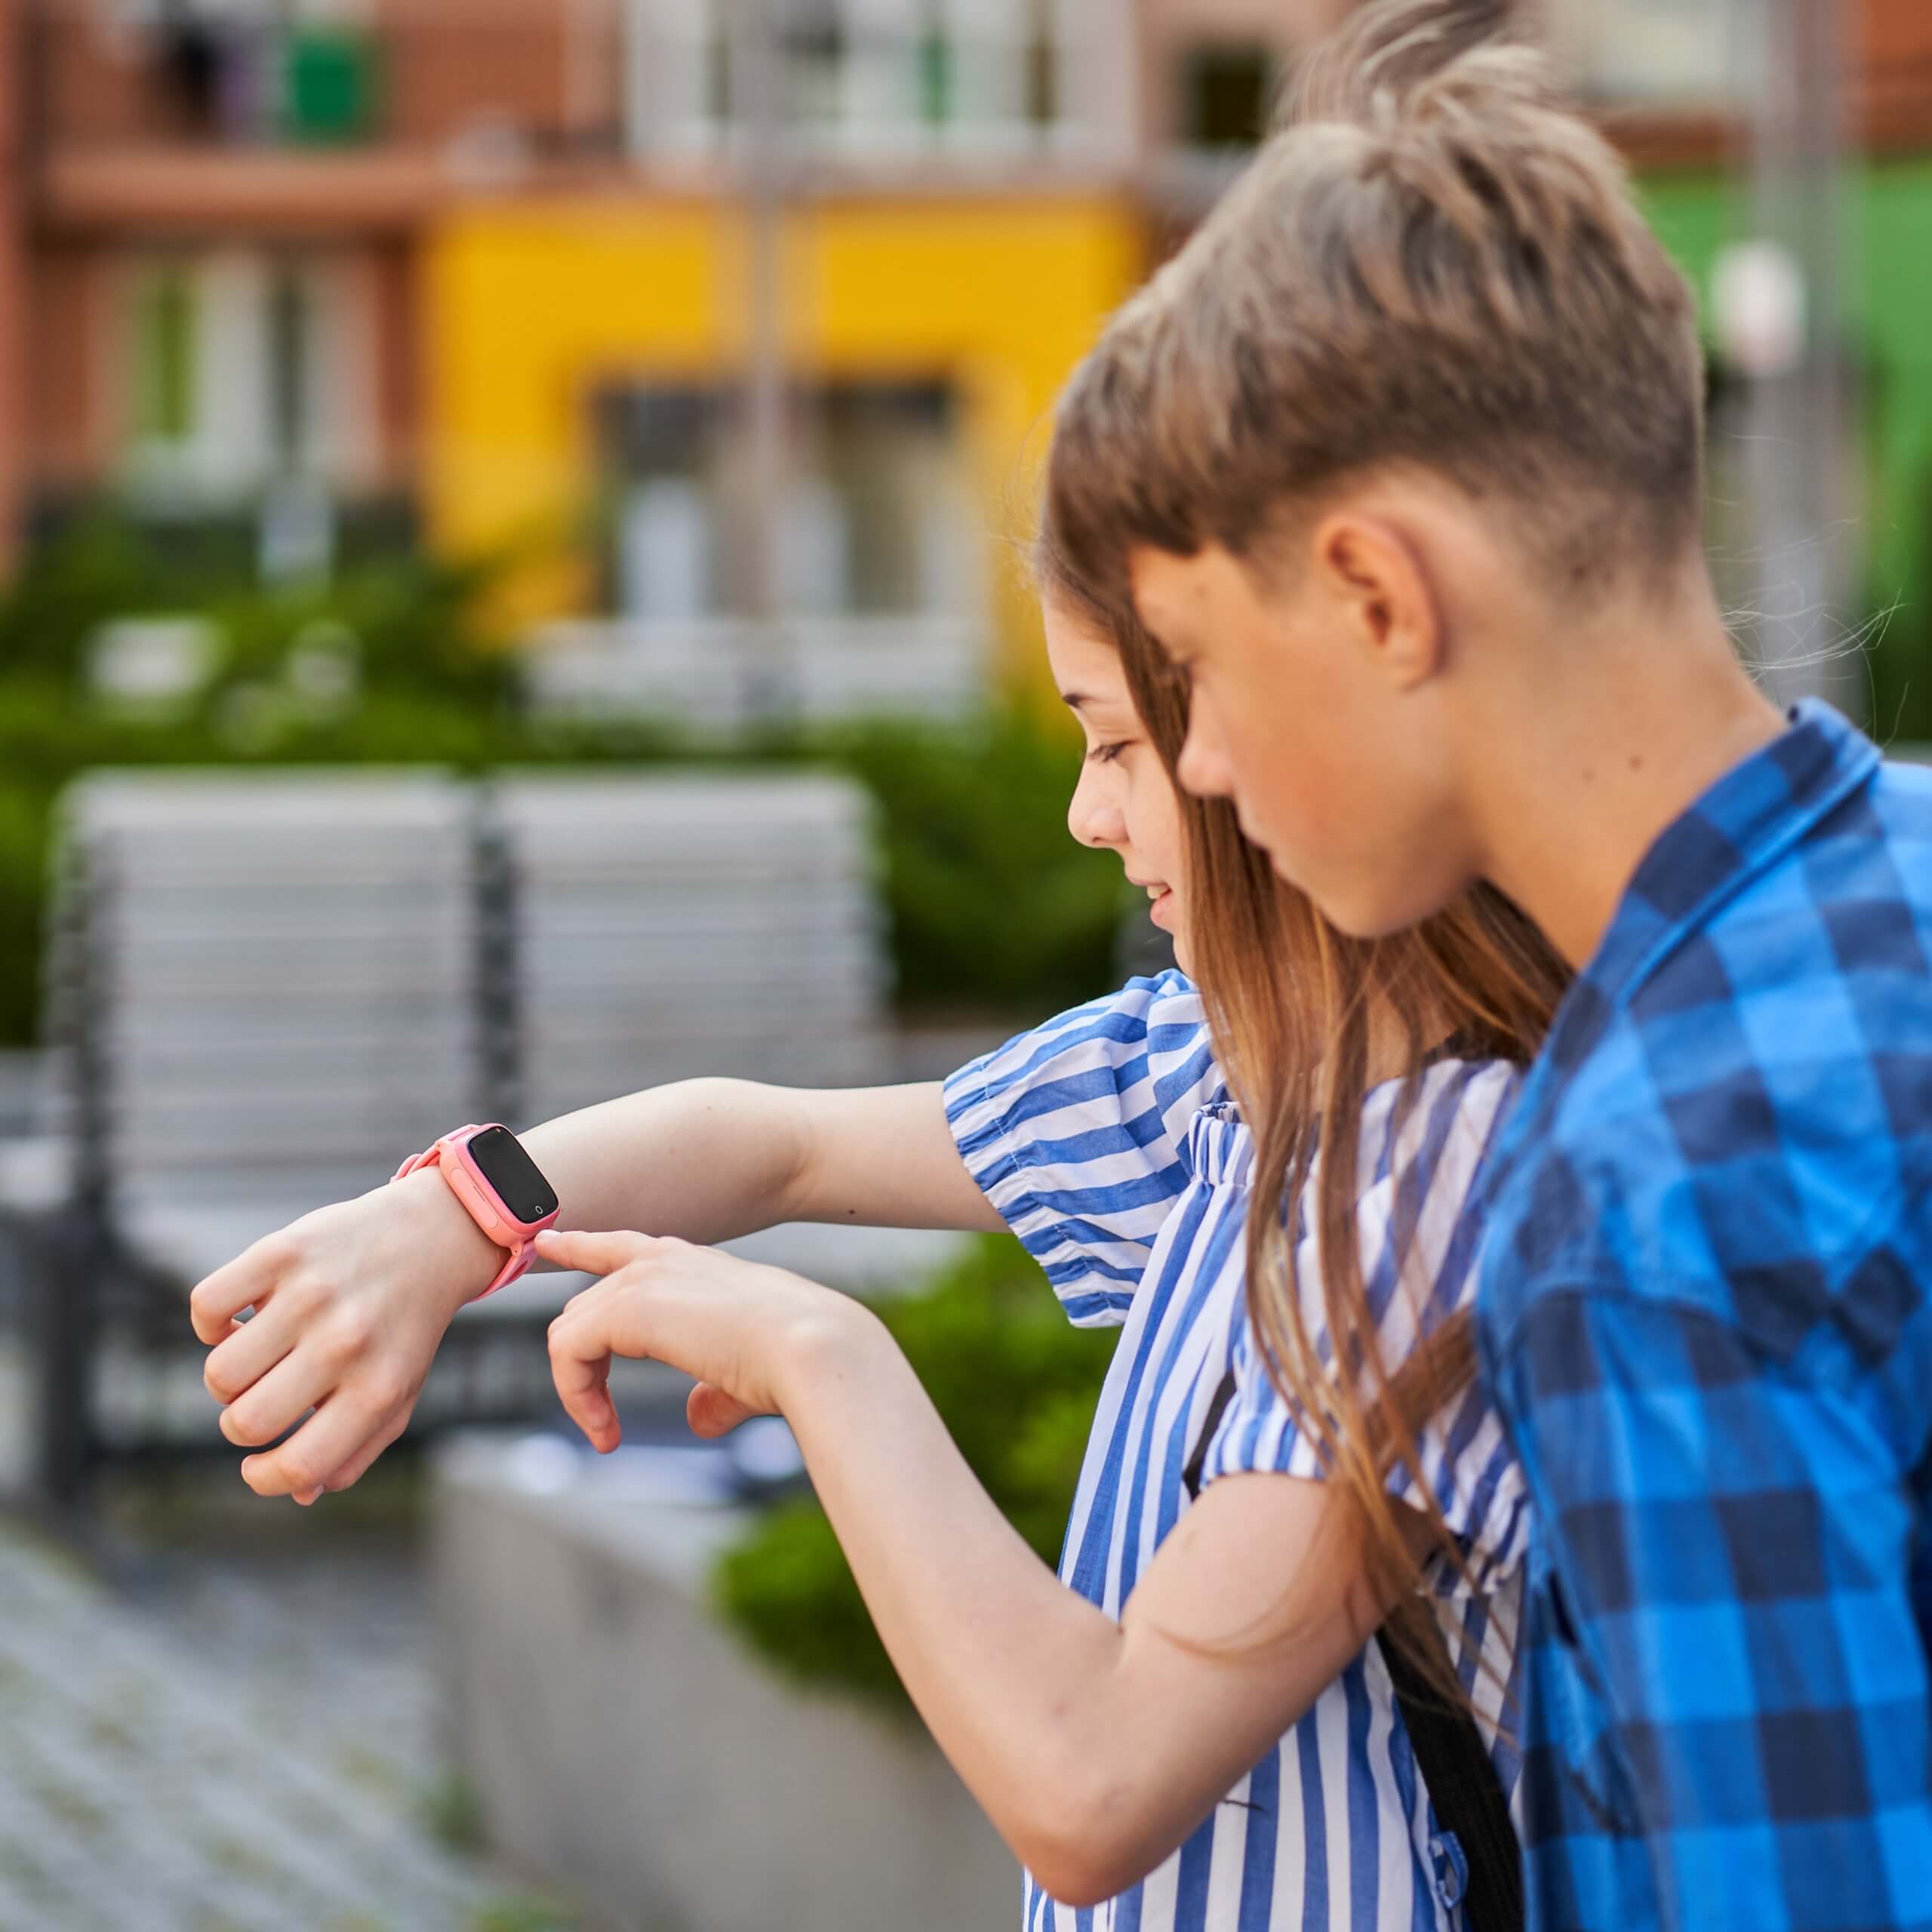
<point>1202,767</point>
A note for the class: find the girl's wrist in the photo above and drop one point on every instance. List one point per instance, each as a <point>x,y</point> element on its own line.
<point>831,1346</point>
<point>459,1259</point>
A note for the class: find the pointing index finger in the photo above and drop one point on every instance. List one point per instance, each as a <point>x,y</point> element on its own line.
<point>592,1253</point>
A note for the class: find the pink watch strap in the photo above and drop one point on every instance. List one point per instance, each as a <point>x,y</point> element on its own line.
<point>518,1258</point>
<point>516,1265</point>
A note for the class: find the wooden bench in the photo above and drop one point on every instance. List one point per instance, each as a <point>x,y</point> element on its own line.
<point>264,990</point>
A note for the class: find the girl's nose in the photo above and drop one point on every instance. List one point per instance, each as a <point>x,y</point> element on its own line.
<point>1093,817</point>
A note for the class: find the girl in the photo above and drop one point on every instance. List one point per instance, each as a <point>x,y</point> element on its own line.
<point>1217,1651</point>
<point>1192,1733</point>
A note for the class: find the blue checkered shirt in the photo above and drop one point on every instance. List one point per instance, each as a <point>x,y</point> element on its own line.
<point>1704,1316</point>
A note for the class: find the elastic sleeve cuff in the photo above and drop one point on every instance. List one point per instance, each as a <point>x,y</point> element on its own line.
<point>1094,1286</point>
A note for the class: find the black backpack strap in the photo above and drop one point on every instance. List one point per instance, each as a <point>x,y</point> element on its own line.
<point>1455,1763</point>
<point>1464,1788</point>
<point>1217,1407</point>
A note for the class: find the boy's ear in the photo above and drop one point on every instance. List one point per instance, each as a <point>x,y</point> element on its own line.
<point>1374,577</point>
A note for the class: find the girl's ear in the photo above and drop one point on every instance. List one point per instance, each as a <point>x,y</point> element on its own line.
<point>1374,577</point>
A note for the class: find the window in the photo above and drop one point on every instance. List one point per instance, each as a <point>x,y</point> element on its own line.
<point>1228,93</point>
<point>240,368</point>
<point>868,527</point>
<point>874,515</point>
<point>816,55</point>
<point>666,452</point>
<point>859,76</point>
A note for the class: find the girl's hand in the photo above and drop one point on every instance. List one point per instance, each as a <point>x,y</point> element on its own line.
<point>351,1303</point>
<point>742,1329</point>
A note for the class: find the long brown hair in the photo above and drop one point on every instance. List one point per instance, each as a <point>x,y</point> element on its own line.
<point>1303,1019</point>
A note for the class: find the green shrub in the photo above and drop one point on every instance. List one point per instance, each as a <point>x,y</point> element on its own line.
<point>1017,1384</point>
<point>991,902</point>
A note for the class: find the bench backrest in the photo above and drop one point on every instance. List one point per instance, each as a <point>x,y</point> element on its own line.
<point>266,975</point>
<point>283,985</point>
<point>685,924</point>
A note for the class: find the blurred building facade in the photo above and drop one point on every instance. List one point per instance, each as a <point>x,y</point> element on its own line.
<point>484,272</point>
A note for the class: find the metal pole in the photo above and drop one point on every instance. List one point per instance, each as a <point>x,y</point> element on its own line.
<point>759,88</point>
<point>1801,412</point>
<point>497,960</point>
<point>74,1252</point>
<point>587,35</point>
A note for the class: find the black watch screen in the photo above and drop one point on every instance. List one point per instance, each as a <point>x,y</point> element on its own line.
<point>518,1180</point>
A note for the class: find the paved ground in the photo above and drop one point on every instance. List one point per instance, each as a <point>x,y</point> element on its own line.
<point>243,1735</point>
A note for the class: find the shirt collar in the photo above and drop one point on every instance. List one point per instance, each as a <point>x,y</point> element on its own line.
<point>1755,812</point>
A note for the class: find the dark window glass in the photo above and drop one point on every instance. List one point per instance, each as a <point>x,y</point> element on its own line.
<point>1230,95</point>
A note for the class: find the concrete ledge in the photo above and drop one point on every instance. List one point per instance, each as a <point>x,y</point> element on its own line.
<point>623,1742</point>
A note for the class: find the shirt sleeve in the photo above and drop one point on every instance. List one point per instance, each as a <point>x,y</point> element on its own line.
<point>1419,1230</point>
<point>1729,1552</point>
<point>1076,1133</point>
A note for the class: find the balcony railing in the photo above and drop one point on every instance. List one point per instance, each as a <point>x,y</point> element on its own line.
<point>890,78</point>
<point>722,675</point>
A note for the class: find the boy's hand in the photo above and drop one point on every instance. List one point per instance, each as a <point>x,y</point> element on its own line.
<point>351,1303</point>
<point>743,1330</point>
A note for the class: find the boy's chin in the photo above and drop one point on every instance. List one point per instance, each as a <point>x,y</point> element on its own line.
<point>1371,915</point>
<point>1364,907</point>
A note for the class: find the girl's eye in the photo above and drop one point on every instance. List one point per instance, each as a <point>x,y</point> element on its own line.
<point>1108,754</point>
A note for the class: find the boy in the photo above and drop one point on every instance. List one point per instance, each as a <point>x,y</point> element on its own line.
<point>1401,458</point>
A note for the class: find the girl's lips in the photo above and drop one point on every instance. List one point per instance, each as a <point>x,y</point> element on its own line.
<point>1160,912</point>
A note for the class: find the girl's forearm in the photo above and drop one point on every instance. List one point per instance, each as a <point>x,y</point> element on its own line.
<point>705,1160</point>
<point>1016,1676</point>
<point>1094,1747</point>
<point>709,1160</point>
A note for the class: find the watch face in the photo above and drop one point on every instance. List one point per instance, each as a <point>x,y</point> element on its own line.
<point>519,1184</point>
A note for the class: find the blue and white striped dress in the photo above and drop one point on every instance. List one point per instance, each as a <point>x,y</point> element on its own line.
<point>1107,1141</point>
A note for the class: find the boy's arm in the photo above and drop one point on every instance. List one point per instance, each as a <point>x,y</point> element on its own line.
<point>1095,1747</point>
<point>352,1302</point>
<point>1730,1544</point>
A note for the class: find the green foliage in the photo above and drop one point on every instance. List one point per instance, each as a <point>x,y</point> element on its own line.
<point>521,1913</point>
<point>1899,656</point>
<point>1017,1385</point>
<point>411,616</point>
<point>992,903</point>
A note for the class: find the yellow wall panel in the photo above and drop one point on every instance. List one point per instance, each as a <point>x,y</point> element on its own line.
<point>528,308</point>
<point>531,306</point>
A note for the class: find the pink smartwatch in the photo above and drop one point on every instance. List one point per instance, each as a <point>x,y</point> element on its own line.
<point>500,1184</point>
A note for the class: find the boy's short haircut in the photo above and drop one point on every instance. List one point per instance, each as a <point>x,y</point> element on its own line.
<point>1436,263</point>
